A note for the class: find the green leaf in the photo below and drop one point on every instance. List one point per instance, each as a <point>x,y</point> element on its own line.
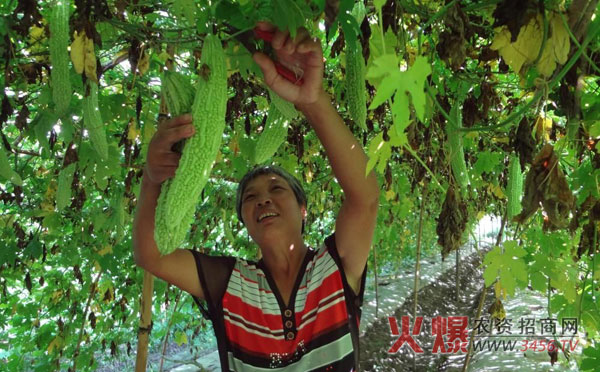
<point>595,130</point>
<point>400,112</point>
<point>487,161</point>
<point>591,360</point>
<point>507,266</point>
<point>384,91</point>
<point>416,77</point>
<point>376,44</point>
<point>382,67</point>
<point>181,338</point>
<point>379,4</point>
<point>289,15</point>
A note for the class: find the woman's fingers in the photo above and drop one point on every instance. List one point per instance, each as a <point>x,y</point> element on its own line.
<point>178,121</point>
<point>291,45</point>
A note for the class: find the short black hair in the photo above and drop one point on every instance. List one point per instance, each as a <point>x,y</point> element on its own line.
<point>269,169</point>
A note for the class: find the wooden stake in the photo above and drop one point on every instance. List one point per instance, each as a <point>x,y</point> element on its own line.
<point>145,323</point>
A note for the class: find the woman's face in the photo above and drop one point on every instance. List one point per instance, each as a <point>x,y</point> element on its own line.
<point>270,209</point>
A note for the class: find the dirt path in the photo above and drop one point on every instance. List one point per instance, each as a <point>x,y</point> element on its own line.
<point>435,299</point>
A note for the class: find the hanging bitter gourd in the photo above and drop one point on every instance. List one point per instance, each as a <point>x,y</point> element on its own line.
<point>200,152</point>
<point>92,120</point>
<point>455,150</point>
<point>59,56</point>
<point>178,93</point>
<point>63,191</point>
<point>286,108</point>
<point>272,136</point>
<point>355,84</point>
<point>514,189</point>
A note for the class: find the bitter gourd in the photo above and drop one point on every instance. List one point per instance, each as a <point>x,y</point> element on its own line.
<point>59,56</point>
<point>456,151</point>
<point>92,121</point>
<point>178,93</point>
<point>355,85</point>
<point>63,191</point>
<point>286,108</point>
<point>514,189</point>
<point>200,152</point>
<point>272,136</point>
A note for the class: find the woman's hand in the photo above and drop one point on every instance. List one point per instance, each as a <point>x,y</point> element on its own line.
<point>161,160</point>
<point>301,52</point>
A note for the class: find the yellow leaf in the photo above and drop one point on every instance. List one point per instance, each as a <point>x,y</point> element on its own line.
<point>502,38</point>
<point>390,195</point>
<point>560,38</point>
<point>36,34</point>
<point>77,51</point>
<point>525,49</point>
<point>90,59</point>
<point>497,191</point>
<point>133,132</point>
<point>480,215</point>
<point>500,291</point>
<point>57,296</point>
<point>164,57</point>
<point>543,127</point>
<point>181,338</point>
<point>501,140</point>
<point>144,63</point>
<point>105,250</point>
<point>56,344</point>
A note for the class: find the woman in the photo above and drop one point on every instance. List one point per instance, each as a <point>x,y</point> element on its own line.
<point>297,308</point>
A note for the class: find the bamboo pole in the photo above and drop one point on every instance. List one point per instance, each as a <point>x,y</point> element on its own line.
<point>418,264</point>
<point>148,286</point>
<point>376,282</point>
<point>418,256</point>
<point>145,323</point>
<point>457,279</point>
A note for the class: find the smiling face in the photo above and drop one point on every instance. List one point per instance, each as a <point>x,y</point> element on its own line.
<point>270,210</point>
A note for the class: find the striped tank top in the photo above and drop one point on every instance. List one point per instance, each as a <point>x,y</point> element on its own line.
<point>256,331</point>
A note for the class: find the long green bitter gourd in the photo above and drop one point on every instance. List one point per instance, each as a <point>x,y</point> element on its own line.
<point>92,120</point>
<point>63,191</point>
<point>355,85</point>
<point>272,136</point>
<point>200,151</point>
<point>178,93</point>
<point>456,151</point>
<point>286,108</point>
<point>514,188</point>
<point>59,56</point>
